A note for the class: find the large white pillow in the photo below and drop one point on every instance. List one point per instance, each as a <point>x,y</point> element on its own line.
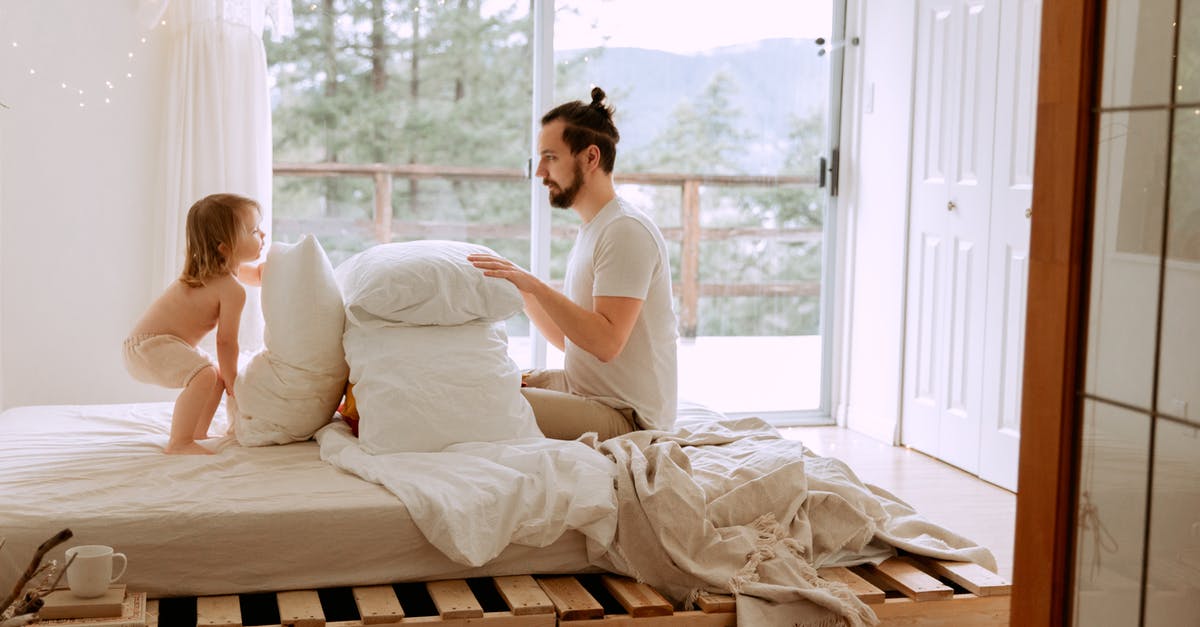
<point>422,388</point>
<point>421,283</point>
<point>292,387</point>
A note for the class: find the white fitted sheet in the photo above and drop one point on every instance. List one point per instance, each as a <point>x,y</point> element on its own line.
<point>245,520</point>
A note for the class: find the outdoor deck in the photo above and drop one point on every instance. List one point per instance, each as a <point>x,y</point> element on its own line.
<point>735,374</point>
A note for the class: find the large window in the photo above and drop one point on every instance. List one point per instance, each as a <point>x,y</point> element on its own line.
<point>400,120</point>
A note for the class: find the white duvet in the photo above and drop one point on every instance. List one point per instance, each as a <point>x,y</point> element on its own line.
<point>473,499</point>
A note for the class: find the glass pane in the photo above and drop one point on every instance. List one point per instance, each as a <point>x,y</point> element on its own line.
<point>1130,194</point>
<point>721,101</point>
<point>1114,450</point>
<point>442,88</point>
<point>1179,363</point>
<point>1173,588</point>
<point>1188,70</point>
<point>1138,40</point>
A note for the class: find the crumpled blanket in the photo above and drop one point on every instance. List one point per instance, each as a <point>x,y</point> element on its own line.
<point>726,506</point>
<point>473,499</point>
<point>730,506</point>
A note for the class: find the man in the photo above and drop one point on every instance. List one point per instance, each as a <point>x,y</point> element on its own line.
<point>614,320</point>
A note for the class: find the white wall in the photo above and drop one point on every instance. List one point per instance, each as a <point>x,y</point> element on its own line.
<point>78,186</point>
<point>877,117</point>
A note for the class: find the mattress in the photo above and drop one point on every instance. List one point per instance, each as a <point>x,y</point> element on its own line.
<point>246,520</point>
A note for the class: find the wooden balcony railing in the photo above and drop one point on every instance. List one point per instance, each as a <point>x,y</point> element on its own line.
<point>690,289</point>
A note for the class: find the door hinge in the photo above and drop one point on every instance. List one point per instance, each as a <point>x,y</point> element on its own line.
<point>829,168</point>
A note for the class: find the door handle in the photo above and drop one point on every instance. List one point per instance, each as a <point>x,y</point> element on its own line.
<point>950,206</point>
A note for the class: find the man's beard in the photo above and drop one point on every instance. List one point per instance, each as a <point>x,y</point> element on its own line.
<point>565,197</point>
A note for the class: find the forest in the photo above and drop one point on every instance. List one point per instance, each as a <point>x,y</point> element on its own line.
<point>444,88</point>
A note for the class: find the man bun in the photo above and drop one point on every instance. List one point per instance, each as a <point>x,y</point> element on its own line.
<point>588,124</point>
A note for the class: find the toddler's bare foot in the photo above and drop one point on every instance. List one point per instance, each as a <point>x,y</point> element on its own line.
<point>186,448</point>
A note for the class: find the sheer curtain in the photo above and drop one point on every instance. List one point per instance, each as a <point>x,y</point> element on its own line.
<point>217,133</point>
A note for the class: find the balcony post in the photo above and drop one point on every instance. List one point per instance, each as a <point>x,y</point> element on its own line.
<point>383,207</point>
<point>689,272</point>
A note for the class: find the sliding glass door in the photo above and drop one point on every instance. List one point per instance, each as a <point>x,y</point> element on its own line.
<point>397,120</point>
<point>724,114</point>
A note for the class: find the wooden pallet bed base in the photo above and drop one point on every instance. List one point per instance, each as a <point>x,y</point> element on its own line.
<point>905,590</point>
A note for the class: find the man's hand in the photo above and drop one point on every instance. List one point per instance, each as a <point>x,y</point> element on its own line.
<point>502,268</point>
<point>528,285</point>
<point>602,331</point>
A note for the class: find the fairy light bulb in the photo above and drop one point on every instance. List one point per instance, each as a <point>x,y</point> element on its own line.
<point>80,92</point>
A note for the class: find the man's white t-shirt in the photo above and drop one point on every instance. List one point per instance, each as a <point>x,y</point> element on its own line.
<point>620,252</point>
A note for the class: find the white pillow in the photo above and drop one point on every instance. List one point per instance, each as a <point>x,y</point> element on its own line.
<point>422,283</point>
<point>422,388</point>
<point>292,388</point>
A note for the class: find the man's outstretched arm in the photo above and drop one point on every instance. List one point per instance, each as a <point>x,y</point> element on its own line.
<point>602,332</point>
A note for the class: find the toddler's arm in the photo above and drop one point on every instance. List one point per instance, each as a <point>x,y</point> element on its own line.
<point>251,274</point>
<point>233,298</point>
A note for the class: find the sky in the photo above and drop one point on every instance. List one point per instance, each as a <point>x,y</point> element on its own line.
<point>685,26</point>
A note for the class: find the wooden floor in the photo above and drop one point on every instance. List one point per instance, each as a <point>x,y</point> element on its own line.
<point>945,495</point>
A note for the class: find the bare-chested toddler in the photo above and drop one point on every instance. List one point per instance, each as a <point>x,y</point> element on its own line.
<point>223,236</point>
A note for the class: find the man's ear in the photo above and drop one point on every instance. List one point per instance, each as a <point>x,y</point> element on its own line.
<point>592,156</point>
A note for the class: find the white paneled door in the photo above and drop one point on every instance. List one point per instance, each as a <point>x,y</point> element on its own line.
<point>1012,200</point>
<point>954,113</point>
<point>973,130</point>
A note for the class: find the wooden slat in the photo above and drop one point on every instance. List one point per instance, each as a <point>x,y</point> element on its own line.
<point>523,595</point>
<point>377,604</point>
<point>454,599</point>
<point>223,611</point>
<point>962,610</point>
<point>973,577</point>
<point>863,589</point>
<point>637,598</point>
<point>571,600</point>
<point>716,603</point>
<point>300,608</point>
<point>910,580</point>
<point>152,613</point>
<point>678,619</point>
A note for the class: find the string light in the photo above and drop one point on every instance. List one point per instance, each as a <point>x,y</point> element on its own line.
<point>82,91</point>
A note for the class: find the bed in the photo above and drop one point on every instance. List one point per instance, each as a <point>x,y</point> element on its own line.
<point>449,480</point>
<point>246,520</point>
<point>281,518</point>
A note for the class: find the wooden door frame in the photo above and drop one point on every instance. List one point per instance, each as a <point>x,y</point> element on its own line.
<point>1068,76</point>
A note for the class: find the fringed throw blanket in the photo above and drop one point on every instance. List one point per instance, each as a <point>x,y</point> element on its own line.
<point>731,507</point>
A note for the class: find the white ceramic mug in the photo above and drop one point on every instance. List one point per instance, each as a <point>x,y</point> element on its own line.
<point>92,569</point>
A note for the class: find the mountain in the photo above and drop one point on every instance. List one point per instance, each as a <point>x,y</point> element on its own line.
<point>773,79</point>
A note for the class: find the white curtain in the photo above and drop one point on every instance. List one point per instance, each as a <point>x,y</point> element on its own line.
<point>217,136</point>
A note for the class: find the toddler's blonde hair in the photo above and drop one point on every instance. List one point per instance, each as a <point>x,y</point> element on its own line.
<point>212,221</point>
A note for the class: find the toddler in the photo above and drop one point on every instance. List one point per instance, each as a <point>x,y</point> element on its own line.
<point>223,234</point>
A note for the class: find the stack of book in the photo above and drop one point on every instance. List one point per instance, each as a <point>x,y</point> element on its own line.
<point>116,608</point>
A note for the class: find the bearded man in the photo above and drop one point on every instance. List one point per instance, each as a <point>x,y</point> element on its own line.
<point>614,320</point>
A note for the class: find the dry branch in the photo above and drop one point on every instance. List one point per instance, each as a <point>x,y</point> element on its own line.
<point>42,550</point>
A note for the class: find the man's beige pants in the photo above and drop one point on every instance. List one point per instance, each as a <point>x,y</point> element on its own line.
<point>565,416</point>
